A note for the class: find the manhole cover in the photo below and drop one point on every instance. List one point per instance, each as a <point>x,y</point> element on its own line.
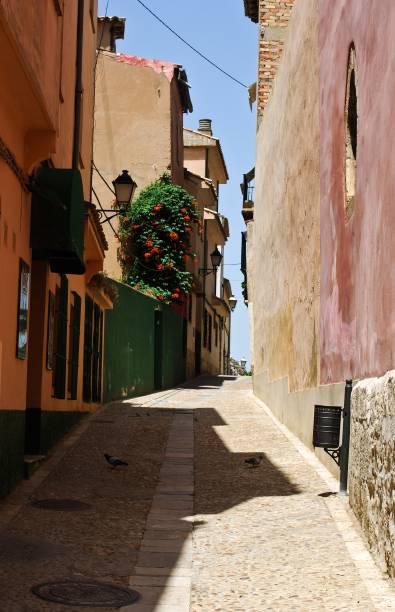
<point>65,505</point>
<point>91,594</point>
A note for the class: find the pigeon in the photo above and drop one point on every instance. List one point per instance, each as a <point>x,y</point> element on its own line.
<point>114,461</point>
<point>254,461</point>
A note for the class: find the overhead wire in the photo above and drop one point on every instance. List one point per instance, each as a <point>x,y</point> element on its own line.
<point>191,46</point>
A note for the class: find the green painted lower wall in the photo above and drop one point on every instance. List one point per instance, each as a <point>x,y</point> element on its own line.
<point>129,347</point>
<point>56,424</point>
<point>173,349</point>
<point>16,435</point>
<point>12,442</point>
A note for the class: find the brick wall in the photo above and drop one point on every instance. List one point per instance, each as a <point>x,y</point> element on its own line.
<point>274,16</point>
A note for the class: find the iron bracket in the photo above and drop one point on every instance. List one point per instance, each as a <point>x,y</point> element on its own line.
<point>334,453</point>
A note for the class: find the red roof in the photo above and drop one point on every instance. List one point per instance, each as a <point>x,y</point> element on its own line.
<point>159,66</point>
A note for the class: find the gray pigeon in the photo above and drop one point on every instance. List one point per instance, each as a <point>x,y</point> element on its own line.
<point>114,461</point>
<point>254,461</point>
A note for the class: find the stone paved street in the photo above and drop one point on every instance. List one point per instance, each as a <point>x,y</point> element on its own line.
<point>187,524</point>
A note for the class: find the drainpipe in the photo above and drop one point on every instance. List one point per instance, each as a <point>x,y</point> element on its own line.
<point>78,85</point>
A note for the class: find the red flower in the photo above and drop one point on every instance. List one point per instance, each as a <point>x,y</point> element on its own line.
<point>155,250</point>
<point>185,257</point>
<point>135,226</point>
<point>170,265</point>
<point>175,296</point>
<point>159,266</point>
<point>183,211</point>
<point>149,243</point>
<point>186,218</point>
<point>161,297</point>
<point>147,255</point>
<point>158,207</point>
<point>173,236</point>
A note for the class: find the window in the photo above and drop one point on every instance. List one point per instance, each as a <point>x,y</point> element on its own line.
<point>50,330</point>
<point>216,333</point>
<point>60,339</point>
<point>23,310</point>
<point>87,384</point>
<point>351,135</point>
<point>74,346</point>
<point>93,346</point>
<point>210,331</point>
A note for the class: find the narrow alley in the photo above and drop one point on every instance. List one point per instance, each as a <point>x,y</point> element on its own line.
<point>187,524</point>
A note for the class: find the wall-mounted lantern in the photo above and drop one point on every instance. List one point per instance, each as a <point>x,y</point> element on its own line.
<point>232,302</point>
<point>124,188</point>
<point>216,258</point>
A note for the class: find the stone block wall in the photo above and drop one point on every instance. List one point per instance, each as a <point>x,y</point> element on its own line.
<point>372,465</point>
<point>274,16</point>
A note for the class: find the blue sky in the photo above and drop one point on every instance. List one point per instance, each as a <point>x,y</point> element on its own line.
<point>219,29</point>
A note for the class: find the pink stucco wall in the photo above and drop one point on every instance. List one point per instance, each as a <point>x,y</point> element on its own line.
<point>357,310</point>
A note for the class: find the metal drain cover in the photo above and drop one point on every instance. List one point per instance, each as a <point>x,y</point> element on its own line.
<point>94,594</point>
<point>65,505</point>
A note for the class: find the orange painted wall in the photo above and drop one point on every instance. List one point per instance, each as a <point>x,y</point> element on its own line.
<point>37,80</point>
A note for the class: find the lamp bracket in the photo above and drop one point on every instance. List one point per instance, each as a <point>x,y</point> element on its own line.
<point>334,453</point>
<point>103,218</point>
<point>207,271</point>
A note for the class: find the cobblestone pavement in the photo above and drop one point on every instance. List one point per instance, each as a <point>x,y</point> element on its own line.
<point>187,524</point>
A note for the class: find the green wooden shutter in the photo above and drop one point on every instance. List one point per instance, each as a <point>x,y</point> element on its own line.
<point>61,341</point>
<point>75,348</point>
<point>95,353</point>
<point>87,383</point>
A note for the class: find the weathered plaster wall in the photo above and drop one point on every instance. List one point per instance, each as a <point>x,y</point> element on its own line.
<point>132,130</point>
<point>286,216</point>
<point>286,242</point>
<point>357,257</point>
<point>372,464</point>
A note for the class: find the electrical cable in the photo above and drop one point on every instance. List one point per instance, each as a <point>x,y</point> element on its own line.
<point>191,46</point>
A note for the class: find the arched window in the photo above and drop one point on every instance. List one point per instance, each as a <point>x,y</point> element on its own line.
<point>351,135</point>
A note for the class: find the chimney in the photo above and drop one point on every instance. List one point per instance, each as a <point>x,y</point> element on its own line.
<point>109,29</point>
<point>205,126</point>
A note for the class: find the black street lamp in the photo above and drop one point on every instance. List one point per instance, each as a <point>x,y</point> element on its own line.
<point>124,187</point>
<point>232,302</point>
<point>216,258</point>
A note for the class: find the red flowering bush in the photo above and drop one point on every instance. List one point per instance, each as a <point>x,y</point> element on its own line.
<point>155,240</point>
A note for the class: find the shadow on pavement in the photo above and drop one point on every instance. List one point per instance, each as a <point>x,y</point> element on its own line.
<point>104,542</point>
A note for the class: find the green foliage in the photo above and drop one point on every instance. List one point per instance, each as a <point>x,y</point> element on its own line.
<point>155,240</point>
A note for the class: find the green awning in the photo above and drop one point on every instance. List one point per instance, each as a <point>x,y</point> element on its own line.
<point>57,222</point>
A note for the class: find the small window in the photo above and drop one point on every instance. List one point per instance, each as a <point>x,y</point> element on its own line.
<point>216,333</point>
<point>23,310</point>
<point>351,135</point>
<point>74,346</point>
<point>60,341</point>
<point>93,347</point>
<point>210,332</point>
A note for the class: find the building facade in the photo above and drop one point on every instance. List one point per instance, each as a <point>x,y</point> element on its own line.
<point>320,259</point>
<point>51,243</point>
<point>208,335</point>
<point>139,107</point>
